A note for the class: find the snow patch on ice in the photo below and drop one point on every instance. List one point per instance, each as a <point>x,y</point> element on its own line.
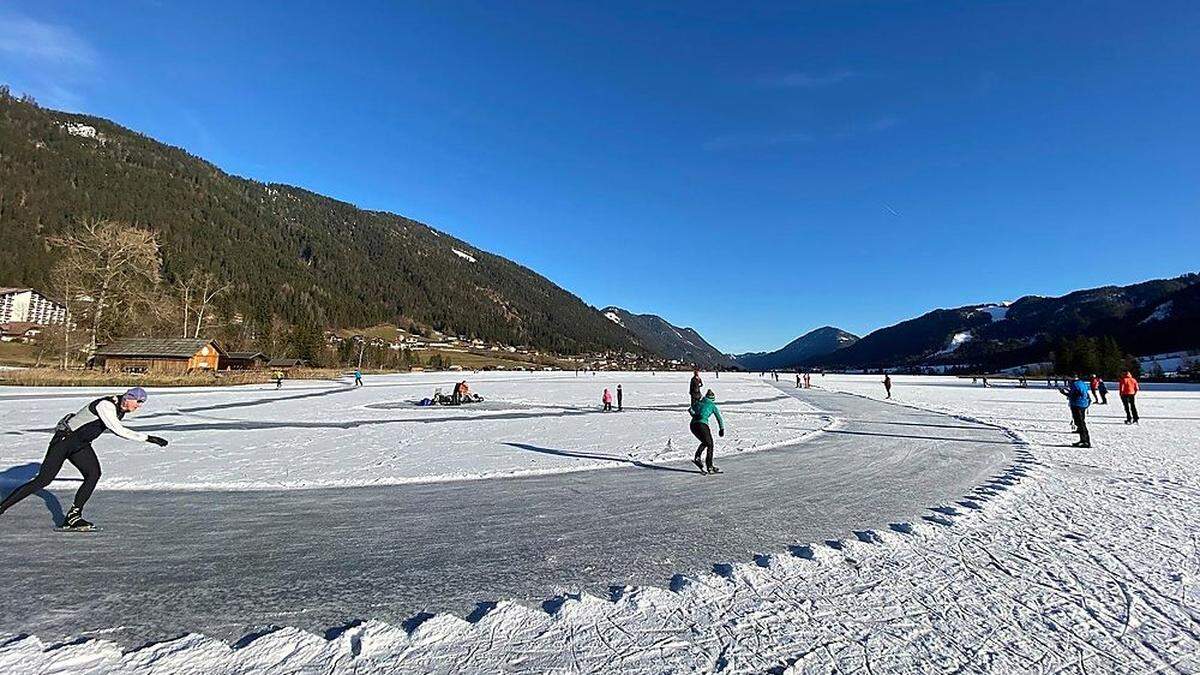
<point>465,256</point>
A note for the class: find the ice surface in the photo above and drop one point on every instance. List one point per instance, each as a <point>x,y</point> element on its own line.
<point>1072,560</point>
<point>333,434</point>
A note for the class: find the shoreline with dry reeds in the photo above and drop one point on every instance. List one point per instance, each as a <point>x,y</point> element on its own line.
<point>56,377</point>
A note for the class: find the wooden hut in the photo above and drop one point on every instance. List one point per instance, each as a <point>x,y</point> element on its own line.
<point>244,361</point>
<point>168,355</point>
<point>286,364</point>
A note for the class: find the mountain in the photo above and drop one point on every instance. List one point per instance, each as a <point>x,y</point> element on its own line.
<point>289,253</point>
<point>1150,317</point>
<point>812,345</point>
<point>672,342</point>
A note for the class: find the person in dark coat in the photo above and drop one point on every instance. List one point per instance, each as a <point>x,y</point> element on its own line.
<point>694,386</point>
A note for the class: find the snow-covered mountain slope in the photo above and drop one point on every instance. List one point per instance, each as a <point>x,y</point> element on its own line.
<point>668,340</point>
<point>1154,316</point>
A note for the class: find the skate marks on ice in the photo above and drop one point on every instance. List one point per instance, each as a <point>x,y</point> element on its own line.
<point>750,615</point>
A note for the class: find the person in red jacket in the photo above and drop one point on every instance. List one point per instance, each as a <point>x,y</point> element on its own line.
<point>1128,388</point>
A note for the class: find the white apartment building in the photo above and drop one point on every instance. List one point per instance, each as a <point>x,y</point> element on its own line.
<point>25,305</point>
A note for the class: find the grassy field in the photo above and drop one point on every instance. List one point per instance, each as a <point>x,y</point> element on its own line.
<point>17,354</point>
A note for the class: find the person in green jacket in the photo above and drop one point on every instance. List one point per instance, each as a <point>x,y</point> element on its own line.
<point>701,410</point>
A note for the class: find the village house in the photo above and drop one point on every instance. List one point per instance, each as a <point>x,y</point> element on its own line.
<point>170,355</point>
<point>19,331</point>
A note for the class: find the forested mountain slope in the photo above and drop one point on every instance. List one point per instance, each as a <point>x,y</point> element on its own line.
<point>288,252</point>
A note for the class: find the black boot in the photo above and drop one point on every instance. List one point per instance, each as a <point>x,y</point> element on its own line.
<point>74,520</point>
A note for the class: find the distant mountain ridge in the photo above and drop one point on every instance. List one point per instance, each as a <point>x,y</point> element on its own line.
<point>1155,316</point>
<point>668,340</point>
<point>815,344</point>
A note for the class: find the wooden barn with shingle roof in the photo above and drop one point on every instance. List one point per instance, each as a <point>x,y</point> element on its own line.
<point>164,355</point>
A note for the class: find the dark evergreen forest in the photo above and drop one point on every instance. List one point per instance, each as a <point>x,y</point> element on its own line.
<point>289,254</point>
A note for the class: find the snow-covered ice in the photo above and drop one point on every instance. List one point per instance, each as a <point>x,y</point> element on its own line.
<point>336,435</point>
<point>1073,560</point>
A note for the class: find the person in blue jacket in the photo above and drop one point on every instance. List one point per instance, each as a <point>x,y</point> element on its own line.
<point>1078,395</point>
<point>701,410</point>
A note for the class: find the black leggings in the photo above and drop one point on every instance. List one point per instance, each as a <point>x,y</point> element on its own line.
<point>1079,417</point>
<point>63,448</point>
<point>703,433</point>
<point>1130,407</point>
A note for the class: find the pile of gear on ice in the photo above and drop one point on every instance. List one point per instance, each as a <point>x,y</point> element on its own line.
<point>461,394</point>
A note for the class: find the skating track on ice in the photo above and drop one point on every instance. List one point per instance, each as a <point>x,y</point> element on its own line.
<point>229,563</point>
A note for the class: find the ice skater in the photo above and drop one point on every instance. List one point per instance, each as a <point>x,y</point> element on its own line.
<point>1103,389</point>
<point>620,399</point>
<point>72,442</point>
<point>887,385</point>
<point>1127,387</point>
<point>358,377</point>
<point>1078,400</point>
<point>701,410</point>
<point>607,400</point>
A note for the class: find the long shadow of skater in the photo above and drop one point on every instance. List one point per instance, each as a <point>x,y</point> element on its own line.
<point>584,455</point>
<point>15,477</point>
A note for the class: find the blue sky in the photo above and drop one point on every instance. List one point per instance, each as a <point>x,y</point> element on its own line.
<point>751,171</point>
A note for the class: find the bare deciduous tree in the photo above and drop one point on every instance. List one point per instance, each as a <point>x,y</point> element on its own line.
<point>196,293</point>
<point>116,271</point>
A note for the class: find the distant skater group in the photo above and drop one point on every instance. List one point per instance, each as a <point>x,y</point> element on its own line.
<point>1081,394</point>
